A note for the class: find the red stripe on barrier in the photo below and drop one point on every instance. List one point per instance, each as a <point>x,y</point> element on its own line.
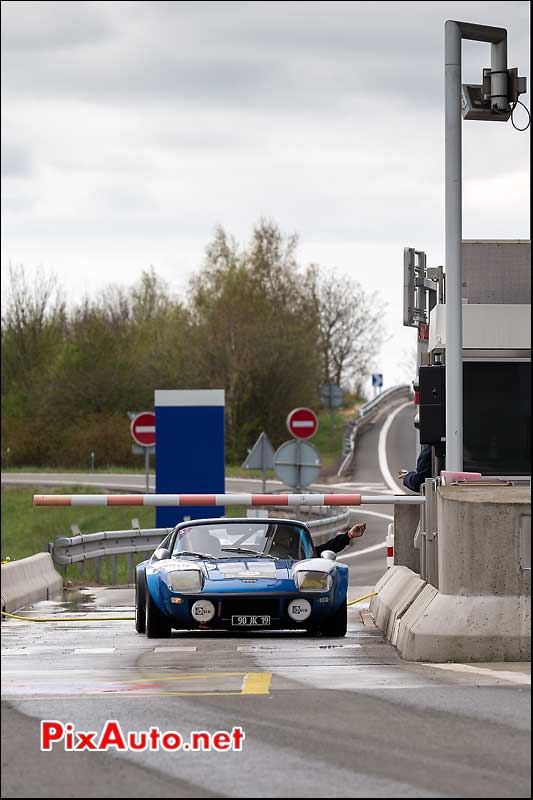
<point>270,500</point>
<point>390,552</point>
<point>52,500</point>
<point>125,500</point>
<point>198,499</point>
<point>342,499</point>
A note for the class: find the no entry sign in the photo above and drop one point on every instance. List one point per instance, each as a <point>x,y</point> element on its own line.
<point>143,429</point>
<point>302,423</point>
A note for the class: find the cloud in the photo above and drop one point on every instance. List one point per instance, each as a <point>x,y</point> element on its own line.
<point>16,160</point>
<point>134,128</point>
<point>50,26</point>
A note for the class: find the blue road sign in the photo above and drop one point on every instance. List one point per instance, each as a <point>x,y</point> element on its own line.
<point>377,379</point>
<point>189,450</point>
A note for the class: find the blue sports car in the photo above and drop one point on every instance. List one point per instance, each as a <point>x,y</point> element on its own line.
<point>240,574</point>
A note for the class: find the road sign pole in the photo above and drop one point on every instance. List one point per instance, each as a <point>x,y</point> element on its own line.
<point>263,463</point>
<point>147,468</point>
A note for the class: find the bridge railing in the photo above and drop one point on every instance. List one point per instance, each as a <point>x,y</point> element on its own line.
<point>365,415</point>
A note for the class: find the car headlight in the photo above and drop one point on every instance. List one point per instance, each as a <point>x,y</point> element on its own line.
<point>185,580</point>
<point>308,581</point>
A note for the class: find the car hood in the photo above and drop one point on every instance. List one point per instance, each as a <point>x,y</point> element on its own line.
<point>248,569</point>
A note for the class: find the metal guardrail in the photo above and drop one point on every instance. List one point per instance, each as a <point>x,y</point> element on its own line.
<point>365,414</point>
<point>67,550</point>
<point>79,549</point>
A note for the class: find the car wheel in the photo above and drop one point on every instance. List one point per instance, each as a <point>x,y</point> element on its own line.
<point>157,624</point>
<point>140,601</point>
<point>337,624</point>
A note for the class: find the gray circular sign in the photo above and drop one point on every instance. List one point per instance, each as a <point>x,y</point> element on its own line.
<point>297,463</point>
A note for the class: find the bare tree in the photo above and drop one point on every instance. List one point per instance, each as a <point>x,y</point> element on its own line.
<point>350,330</point>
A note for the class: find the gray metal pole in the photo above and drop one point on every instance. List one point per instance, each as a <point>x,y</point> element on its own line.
<point>454,237</point>
<point>454,33</point>
<point>147,468</point>
<point>263,464</point>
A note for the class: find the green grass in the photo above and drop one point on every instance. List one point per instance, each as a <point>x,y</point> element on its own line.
<point>27,529</point>
<point>329,442</point>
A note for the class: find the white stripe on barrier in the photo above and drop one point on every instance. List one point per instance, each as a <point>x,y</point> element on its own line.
<point>89,499</point>
<point>232,499</point>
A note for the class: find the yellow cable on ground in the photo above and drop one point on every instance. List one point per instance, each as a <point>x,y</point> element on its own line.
<point>65,619</point>
<point>364,597</point>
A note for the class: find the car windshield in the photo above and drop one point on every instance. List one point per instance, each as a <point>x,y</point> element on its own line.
<point>248,539</point>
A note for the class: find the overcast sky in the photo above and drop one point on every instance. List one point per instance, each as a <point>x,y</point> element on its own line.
<point>131,129</point>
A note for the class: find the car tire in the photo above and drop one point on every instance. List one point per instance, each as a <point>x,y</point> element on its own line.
<point>157,624</point>
<point>337,624</point>
<point>140,601</point>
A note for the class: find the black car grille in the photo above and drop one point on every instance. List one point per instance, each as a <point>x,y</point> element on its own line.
<point>253,605</point>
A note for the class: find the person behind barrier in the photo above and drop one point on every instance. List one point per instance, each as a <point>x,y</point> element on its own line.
<point>414,479</point>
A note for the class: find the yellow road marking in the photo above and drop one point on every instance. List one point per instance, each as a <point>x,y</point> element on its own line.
<point>189,676</point>
<point>253,683</point>
<point>257,683</point>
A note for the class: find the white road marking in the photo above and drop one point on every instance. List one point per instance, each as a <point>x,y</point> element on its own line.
<point>390,517</point>
<point>488,672</point>
<point>84,650</point>
<point>382,449</point>
<point>175,649</point>
<point>371,549</point>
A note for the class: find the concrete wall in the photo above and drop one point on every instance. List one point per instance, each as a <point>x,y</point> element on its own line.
<point>29,580</point>
<point>406,519</point>
<point>482,609</point>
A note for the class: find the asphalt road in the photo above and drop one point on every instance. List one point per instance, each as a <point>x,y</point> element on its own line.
<point>322,717</point>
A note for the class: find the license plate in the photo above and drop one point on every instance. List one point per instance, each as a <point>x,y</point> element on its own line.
<point>239,619</point>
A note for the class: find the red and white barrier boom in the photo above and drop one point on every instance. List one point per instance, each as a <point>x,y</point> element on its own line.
<point>219,499</point>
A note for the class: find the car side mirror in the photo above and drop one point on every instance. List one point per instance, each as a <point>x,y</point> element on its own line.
<point>329,554</point>
<point>161,553</point>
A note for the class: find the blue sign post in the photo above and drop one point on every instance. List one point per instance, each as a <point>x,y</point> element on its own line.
<point>377,379</point>
<point>189,452</point>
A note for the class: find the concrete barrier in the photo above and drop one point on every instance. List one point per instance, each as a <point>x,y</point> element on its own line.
<point>482,608</point>
<point>29,580</point>
<point>394,597</point>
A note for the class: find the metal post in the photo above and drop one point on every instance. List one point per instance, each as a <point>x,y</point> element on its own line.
<point>263,466</point>
<point>454,33</point>
<point>130,567</point>
<point>8,456</point>
<point>92,462</point>
<point>147,468</point>
<point>454,237</point>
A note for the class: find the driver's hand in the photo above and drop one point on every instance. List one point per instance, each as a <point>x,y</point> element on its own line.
<point>402,473</point>
<point>358,529</point>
